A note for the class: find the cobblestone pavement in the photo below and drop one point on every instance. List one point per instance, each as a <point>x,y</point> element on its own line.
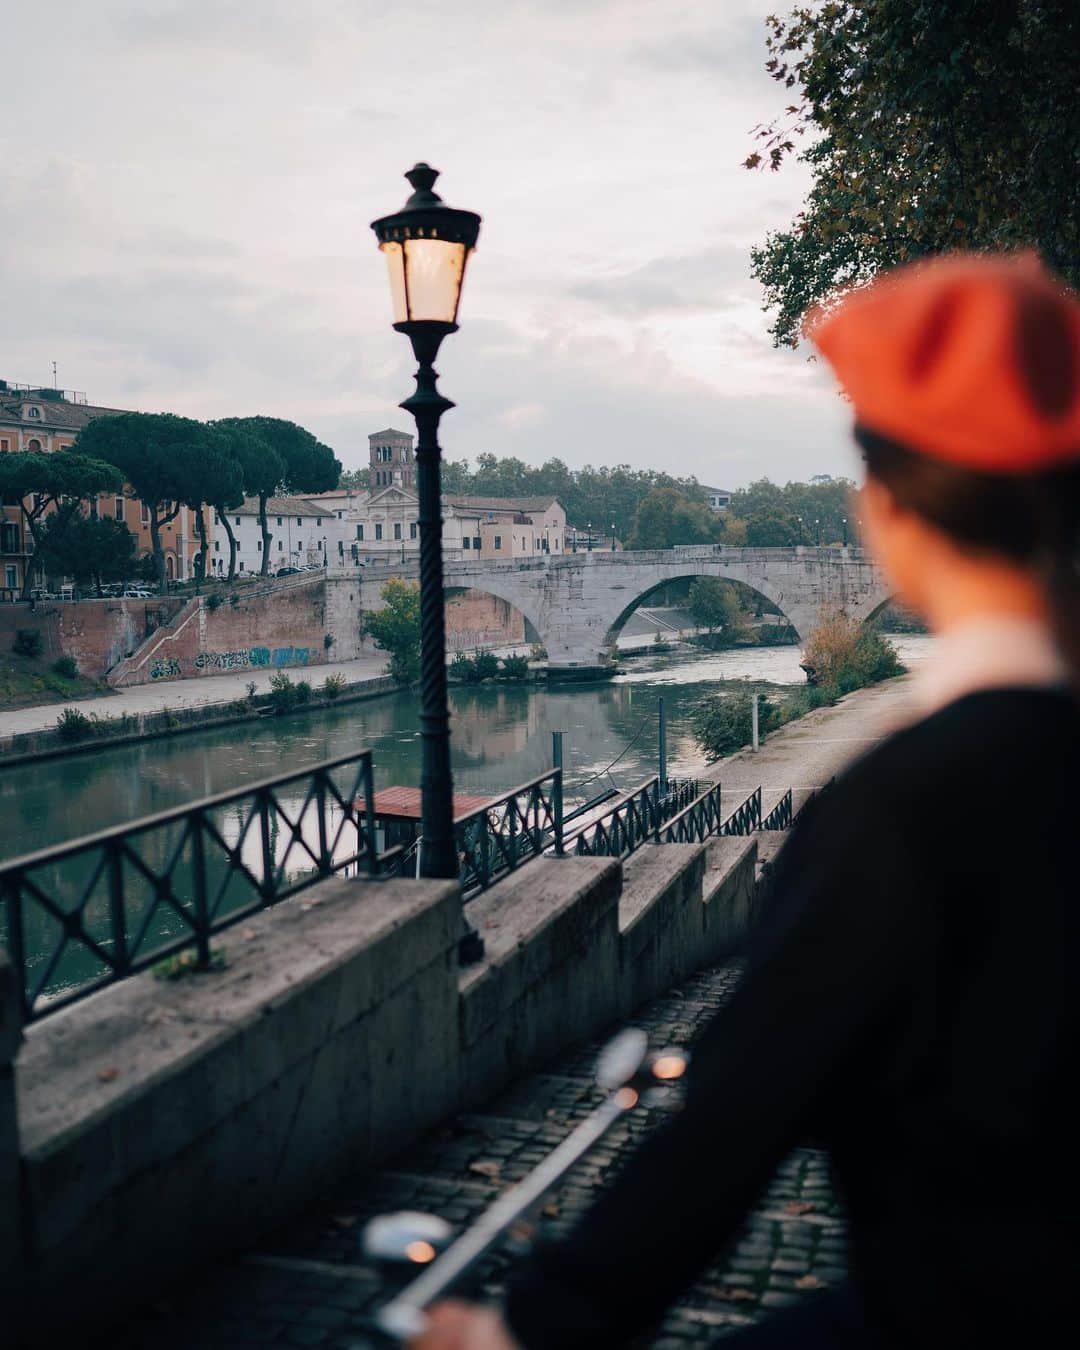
<point>307,1285</point>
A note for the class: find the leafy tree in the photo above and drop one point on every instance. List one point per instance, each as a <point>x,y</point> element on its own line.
<point>215,470</point>
<point>291,460</point>
<point>396,628</point>
<point>355,479</point>
<point>667,517</point>
<point>38,482</point>
<point>723,723</point>
<point>772,529</point>
<point>714,603</point>
<point>88,549</point>
<point>927,128</point>
<point>155,453</point>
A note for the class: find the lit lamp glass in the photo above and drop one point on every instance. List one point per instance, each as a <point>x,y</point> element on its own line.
<point>426,246</point>
<point>425,279</point>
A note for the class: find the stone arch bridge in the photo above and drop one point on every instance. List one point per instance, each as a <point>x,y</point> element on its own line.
<point>577,602</point>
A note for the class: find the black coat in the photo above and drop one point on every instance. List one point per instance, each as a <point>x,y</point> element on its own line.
<point>909,1002</point>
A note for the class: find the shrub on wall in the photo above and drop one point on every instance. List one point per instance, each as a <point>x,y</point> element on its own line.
<point>65,666</point>
<point>515,667</point>
<point>283,696</point>
<point>73,725</point>
<point>334,686</point>
<point>27,642</point>
<point>214,601</point>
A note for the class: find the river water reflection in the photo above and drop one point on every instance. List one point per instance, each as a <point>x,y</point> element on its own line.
<point>501,737</point>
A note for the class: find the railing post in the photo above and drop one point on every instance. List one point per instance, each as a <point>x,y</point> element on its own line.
<point>754,719</point>
<point>320,805</point>
<point>114,864</point>
<point>557,750</point>
<point>368,780</point>
<point>662,736</point>
<point>656,809</point>
<point>202,908</point>
<point>12,1225</point>
<point>558,799</point>
<point>267,887</point>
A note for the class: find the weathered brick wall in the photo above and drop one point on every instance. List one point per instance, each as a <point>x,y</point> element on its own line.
<point>97,633</point>
<point>477,619</point>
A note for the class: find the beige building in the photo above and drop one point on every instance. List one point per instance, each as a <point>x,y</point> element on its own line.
<point>41,420</point>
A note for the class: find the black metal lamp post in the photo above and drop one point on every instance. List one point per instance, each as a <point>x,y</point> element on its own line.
<point>844,520</point>
<point>427,245</point>
<point>590,537</point>
<point>613,536</point>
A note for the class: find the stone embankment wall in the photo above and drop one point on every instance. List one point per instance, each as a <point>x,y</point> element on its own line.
<point>96,633</point>
<point>161,1124</point>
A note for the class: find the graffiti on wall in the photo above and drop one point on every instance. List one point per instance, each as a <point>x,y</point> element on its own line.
<point>165,668</point>
<point>253,656</point>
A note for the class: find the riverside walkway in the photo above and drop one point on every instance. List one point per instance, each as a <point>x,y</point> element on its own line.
<point>307,1283</point>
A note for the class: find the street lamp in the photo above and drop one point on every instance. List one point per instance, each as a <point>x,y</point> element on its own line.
<point>590,537</point>
<point>427,245</point>
<point>613,536</point>
<point>817,523</point>
<point>844,521</point>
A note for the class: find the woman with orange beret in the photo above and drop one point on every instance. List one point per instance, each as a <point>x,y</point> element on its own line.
<point>909,1000</point>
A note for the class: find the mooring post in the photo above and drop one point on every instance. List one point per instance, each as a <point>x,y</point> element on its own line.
<point>556,749</point>
<point>662,713</point>
<point>754,718</point>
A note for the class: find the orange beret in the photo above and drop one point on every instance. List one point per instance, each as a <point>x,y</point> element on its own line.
<point>972,358</point>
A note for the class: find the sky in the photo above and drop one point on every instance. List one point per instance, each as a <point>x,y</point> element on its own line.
<point>189,186</point>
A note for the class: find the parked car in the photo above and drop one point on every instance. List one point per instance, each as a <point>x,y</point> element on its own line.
<point>137,593</point>
<point>287,572</point>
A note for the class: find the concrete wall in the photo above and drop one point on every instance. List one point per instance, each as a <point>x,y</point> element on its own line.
<point>160,1123</point>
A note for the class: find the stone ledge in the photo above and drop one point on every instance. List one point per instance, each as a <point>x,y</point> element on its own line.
<point>660,918</point>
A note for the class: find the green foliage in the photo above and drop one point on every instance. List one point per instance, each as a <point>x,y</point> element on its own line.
<point>714,604</point>
<point>515,667</point>
<point>798,513</point>
<point>775,635</point>
<point>334,686</point>
<point>538,652</point>
<point>723,723</point>
<point>477,668</point>
<point>358,479</point>
<point>927,129</point>
<point>66,667</point>
<point>187,963</point>
<point>284,695</point>
<point>667,517</point>
<point>73,725</point>
<point>842,654</point>
<point>303,692</point>
<point>91,550</point>
<point>28,642</point>
<point>214,601</point>
<point>328,641</point>
<point>396,628</point>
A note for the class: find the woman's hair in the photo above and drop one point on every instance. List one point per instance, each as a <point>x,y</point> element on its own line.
<point>1031,519</point>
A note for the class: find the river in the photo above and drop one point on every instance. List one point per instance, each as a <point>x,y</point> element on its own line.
<point>501,737</point>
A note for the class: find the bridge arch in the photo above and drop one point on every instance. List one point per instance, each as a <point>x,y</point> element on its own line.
<point>496,589</point>
<point>773,594</point>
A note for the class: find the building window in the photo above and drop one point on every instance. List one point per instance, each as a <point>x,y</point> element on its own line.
<point>341,548</point>
<point>318,522</point>
<point>10,577</point>
<point>476,542</point>
<point>238,520</point>
<point>280,546</point>
<point>34,413</point>
<point>258,545</point>
<point>33,445</point>
<point>144,514</point>
<point>498,541</point>
<point>279,520</point>
<point>397,530</point>
<point>9,537</point>
<point>217,545</point>
<point>412,529</point>
<point>359,531</point>
<point>118,508</point>
<point>466,542</point>
<point>378,531</point>
<point>5,446</point>
<point>298,521</point>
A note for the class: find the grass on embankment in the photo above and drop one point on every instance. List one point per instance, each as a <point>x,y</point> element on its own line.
<point>27,680</point>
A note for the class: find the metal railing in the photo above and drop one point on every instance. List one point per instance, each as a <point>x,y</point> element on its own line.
<point>633,821</point>
<point>80,916</point>
<point>704,818</point>
<point>506,832</point>
<point>780,817</point>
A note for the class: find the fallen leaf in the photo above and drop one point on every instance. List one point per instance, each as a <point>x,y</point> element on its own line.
<point>552,1210</point>
<point>809,1282</point>
<point>798,1207</point>
<point>487,1168</point>
<point>109,1075</point>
